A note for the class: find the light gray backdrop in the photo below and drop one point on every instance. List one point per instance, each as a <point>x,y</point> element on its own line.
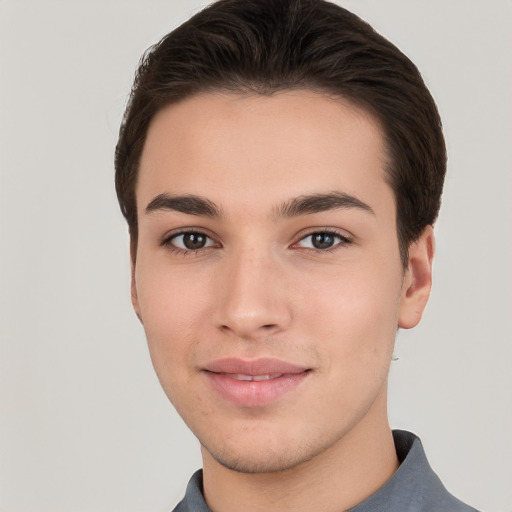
<point>84,426</point>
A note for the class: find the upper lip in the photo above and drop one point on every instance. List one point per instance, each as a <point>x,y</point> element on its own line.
<point>260,366</point>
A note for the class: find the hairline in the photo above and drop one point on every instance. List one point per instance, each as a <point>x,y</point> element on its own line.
<point>244,89</point>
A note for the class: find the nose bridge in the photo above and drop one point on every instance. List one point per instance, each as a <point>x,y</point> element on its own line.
<point>254,301</point>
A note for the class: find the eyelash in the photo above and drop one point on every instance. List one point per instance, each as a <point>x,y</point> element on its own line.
<point>167,242</point>
<point>340,240</point>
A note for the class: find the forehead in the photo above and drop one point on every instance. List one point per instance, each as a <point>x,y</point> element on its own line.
<point>252,148</point>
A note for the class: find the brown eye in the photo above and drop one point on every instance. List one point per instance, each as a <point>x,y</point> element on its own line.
<point>191,241</point>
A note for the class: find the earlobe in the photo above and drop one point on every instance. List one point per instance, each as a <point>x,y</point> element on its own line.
<point>417,280</point>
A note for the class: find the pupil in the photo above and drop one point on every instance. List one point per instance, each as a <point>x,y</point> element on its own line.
<point>322,241</point>
<point>194,241</point>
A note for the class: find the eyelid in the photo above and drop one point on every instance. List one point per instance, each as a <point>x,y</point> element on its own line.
<point>343,237</point>
<point>170,236</point>
<point>209,242</point>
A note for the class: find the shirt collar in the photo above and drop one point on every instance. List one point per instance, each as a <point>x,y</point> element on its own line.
<point>411,482</point>
<point>414,487</point>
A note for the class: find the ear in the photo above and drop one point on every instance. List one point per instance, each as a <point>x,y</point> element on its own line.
<point>417,280</point>
<point>133,292</point>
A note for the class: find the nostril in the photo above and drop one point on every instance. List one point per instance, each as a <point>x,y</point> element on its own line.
<point>225,327</point>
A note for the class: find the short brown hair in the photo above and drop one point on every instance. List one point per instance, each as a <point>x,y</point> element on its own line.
<point>267,46</point>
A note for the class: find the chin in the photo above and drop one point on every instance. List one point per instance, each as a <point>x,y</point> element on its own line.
<point>268,462</point>
<point>260,459</point>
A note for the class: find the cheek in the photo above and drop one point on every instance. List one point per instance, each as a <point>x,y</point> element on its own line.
<point>356,313</point>
<point>354,328</point>
<point>170,298</point>
<point>171,309</point>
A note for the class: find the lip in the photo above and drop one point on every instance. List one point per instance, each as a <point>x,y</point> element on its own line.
<point>254,383</point>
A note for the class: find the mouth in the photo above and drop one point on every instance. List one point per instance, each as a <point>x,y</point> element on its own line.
<point>256,378</point>
<point>254,383</point>
<point>266,367</point>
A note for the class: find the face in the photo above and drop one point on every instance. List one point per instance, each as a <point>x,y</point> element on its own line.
<point>268,275</point>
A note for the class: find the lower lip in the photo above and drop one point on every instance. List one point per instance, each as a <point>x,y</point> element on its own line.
<point>254,393</point>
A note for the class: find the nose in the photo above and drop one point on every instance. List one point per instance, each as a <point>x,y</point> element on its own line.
<point>254,299</point>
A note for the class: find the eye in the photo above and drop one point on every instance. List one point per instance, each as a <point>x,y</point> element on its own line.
<point>190,241</point>
<point>323,240</point>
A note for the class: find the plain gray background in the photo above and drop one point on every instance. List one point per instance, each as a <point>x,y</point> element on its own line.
<point>84,425</point>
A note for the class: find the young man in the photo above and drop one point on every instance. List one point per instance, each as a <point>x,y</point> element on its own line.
<point>280,166</point>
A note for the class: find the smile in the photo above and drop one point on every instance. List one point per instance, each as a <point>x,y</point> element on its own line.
<point>257,378</point>
<point>253,383</point>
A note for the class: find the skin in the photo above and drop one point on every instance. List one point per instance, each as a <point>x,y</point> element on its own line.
<point>259,288</point>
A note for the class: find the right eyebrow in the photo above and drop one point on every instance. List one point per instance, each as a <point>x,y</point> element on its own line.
<point>188,204</point>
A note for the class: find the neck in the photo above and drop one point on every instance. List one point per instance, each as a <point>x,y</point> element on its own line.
<point>361,462</point>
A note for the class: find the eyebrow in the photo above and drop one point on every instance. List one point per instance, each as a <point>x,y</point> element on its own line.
<point>302,205</point>
<point>189,204</point>
<point>317,203</point>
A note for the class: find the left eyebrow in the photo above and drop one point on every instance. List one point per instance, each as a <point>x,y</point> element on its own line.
<point>317,203</point>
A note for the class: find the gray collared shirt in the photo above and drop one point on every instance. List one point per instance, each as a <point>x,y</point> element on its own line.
<point>413,488</point>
